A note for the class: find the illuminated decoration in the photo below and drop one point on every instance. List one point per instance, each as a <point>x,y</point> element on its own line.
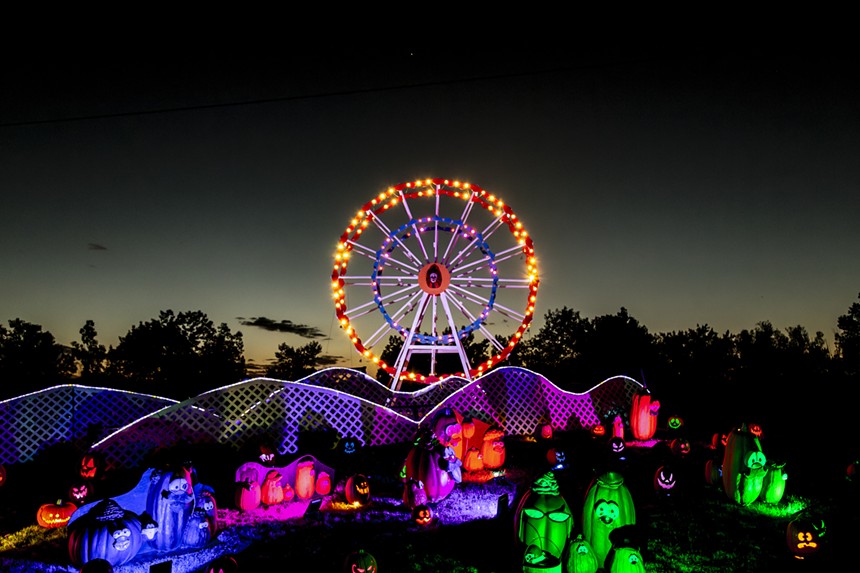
<point>713,472</point>
<point>348,446</point>
<point>432,460</point>
<point>323,485</point>
<point>106,532</point>
<point>755,429</point>
<point>206,503</point>
<point>419,256</point>
<point>718,441</point>
<point>536,560</point>
<point>743,466</point>
<point>473,462</point>
<point>223,564</point>
<point>557,458</point>
<point>804,536</point>
<point>543,517</point>
<point>248,495</point>
<point>598,431</point>
<point>643,415</point>
<point>196,531</point>
<point>617,445</point>
<point>608,505</point>
<point>422,515</point>
<point>618,427</point>
<point>80,492</point>
<point>91,466</point>
<point>357,490</point>
<point>170,501</point>
<point>675,422</point>
<point>272,490</point>
<point>53,515</point>
<point>773,487</point>
<point>493,449</point>
<point>413,493</point>
<point>267,455</point>
<point>580,556</point>
<point>545,431</point>
<point>680,447</point>
<point>360,562</point>
<point>624,560</point>
<point>447,428</point>
<point>665,480</point>
<point>305,480</point>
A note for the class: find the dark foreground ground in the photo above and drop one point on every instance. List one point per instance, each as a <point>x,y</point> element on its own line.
<point>696,529</point>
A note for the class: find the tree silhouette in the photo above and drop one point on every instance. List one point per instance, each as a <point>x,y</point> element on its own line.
<point>295,363</point>
<point>30,359</point>
<point>91,357</point>
<point>178,355</point>
<point>848,341</point>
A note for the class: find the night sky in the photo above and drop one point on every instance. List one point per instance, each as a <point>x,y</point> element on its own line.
<point>690,187</point>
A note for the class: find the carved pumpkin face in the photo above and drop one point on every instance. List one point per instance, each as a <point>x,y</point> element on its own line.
<point>80,493</point>
<point>675,422</point>
<point>664,480</point>
<point>617,445</point>
<point>598,431</point>
<point>626,560</point>
<point>422,515</point>
<point>755,430</point>
<point>360,562</point>
<point>680,446</point>
<point>804,535</point>
<point>544,517</point>
<point>357,490</point>
<point>546,431</point>
<point>53,515</point>
<point>89,466</point>
<point>608,505</point>
<point>349,446</point>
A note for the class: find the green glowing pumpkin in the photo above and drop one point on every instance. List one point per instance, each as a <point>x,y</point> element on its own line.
<point>608,506</point>
<point>774,482</point>
<point>580,556</point>
<point>743,466</point>
<point>543,517</point>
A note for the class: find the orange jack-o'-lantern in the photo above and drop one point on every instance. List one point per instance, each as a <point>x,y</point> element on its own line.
<point>493,449</point>
<point>755,430</point>
<point>272,491</point>
<point>804,536</point>
<point>598,431</point>
<point>248,495</point>
<point>90,466</point>
<point>323,485</point>
<point>305,480</point>
<point>473,461</point>
<point>357,489</point>
<point>422,515</point>
<point>360,562</point>
<point>53,515</point>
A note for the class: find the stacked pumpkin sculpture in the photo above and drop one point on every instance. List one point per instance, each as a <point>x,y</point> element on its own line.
<point>543,517</point>
<point>608,505</point>
<point>744,466</point>
<point>432,460</point>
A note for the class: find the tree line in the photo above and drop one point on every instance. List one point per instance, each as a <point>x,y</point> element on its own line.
<point>183,354</point>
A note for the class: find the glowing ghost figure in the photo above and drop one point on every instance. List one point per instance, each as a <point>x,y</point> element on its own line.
<point>608,505</point>
<point>544,518</point>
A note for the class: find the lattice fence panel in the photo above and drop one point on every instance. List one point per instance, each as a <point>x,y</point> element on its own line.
<point>66,413</point>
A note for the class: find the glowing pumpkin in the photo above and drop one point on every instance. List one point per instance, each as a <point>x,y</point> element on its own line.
<point>446,428</point>
<point>106,532</point>
<point>91,465</point>
<point>556,457</point>
<point>536,560</point>
<point>773,487</point>
<point>223,564</point>
<point>53,515</point>
<point>608,505</point>
<point>580,556</point>
<point>170,501</point>
<point>357,490</point>
<point>79,493</point>
<point>360,562</point>
<point>665,481</point>
<point>804,536</point>
<point>272,491</point>
<point>643,415</point>
<point>616,445</point>
<point>755,430</point>
<point>493,449</point>
<point>196,532</point>
<point>680,447</point>
<point>414,493</point>
<point>598,431</point>
<point>248,495</point>
<point>543,517</point>
<point>743,466</point>
<point>422,515</point>
<point>348,446</point>
<point>624,560</point>
<point>545,431</point>
<point>473,461</point>
<point>305,480</point>
<point>323,485</point>
<point>434,466</point>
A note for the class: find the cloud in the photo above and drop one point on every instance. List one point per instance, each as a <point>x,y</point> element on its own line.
<point>289,326</point>
<point>96,247</point>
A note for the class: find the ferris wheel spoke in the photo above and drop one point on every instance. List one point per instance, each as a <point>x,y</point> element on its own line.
<point>461,351</point>
<point>487,282</point>
<point>485,234</point>
<point>456,230</point>
<point>487,334</point>
<point>393,237</point>
<point>470,296</point>
<point>363,309</point>
<point>405,204</point>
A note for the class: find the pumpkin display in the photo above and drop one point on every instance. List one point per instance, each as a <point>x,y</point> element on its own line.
<point>493,449</point>
<point>289,492</point>
<point>272,491</point>
<point>53,515</point>
<point>223,564</point>
<point>804,536</point>
<point>643,415</point>
<point>675,422</point>
<point>248,495</point>
<point>680,447</point>
<point>196,532</point>
<point>545,431</point>
<point>618,428</point>
<point>665,481</point>
<point>580,556</point>
<point>536,560</point>
<point>170,501</point>
<point>773,487</point>
<point>608,505</point>
<point>106,532</point>
<point>598,431</point>
<point>446,428</point>
<point>743,466</point>
<point>323,485</point>
<point>414,493</point>
<point>436,467</point>
<point>556,457</point>
<point>472,461</point>
<point>348,446</point>
<point>543,517</point>
<point>206,503</point>
<point>624,560</point>
<point>91,465</point>
<point>422,515</point>
<point>357,490</point>
<point>755,429</point>
<point>360,562</point>
<point>616,445</point>
<point>305,480</point>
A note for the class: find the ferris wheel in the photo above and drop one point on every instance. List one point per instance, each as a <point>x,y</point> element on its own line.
<point>436,264</point>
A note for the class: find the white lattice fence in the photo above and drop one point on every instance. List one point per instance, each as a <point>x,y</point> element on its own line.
<point>67,413</point>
